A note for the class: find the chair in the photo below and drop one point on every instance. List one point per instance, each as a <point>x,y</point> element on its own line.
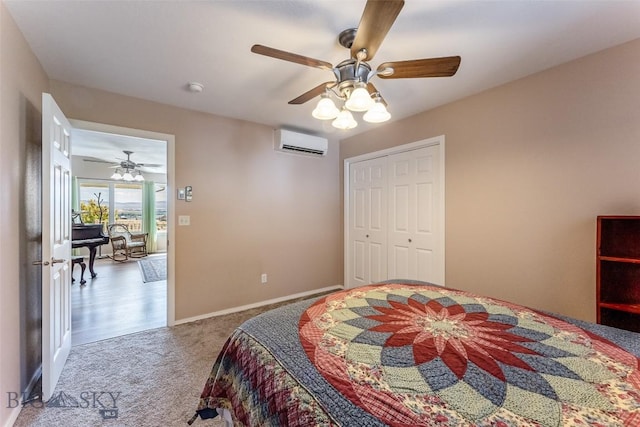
<point>125,244</point>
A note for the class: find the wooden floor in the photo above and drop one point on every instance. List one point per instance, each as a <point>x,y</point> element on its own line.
<point>117,302</point>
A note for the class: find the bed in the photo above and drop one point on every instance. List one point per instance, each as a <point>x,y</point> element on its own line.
<point>414,354</point>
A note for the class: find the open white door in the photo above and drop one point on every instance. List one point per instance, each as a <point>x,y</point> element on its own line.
<point>56,243</point>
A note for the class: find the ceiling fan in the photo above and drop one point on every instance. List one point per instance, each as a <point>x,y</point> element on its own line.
<point>128,167</point>
<point>353,76</point>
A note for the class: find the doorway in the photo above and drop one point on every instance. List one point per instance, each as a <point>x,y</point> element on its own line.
<point>120,299</point>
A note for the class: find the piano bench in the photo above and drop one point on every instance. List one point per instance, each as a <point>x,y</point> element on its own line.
<point>78,260</point>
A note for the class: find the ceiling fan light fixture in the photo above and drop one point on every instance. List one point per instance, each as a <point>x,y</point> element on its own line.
<point>326,109</point>
<point>345,120</point>
<point>116,175</point>
<point>377,113</point>
<point>360,99</point>
<point>129,167</point>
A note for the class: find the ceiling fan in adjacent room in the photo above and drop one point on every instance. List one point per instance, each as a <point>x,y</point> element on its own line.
<point>126,170</point>
<point>353,76</point>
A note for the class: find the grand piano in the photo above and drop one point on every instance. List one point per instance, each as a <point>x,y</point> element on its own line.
<point>88,236</point>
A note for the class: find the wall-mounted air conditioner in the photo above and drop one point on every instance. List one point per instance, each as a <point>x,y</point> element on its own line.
<point>300,143</point>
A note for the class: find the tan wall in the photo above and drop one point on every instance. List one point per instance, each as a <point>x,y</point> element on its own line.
<point>22,80</point>
<point>529,166</point>
<point>254,210</point>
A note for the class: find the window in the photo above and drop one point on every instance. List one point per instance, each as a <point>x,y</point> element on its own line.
<point>127,205</point>
<point>119,202</point>
<point>109,202</point>
<point>94,202</point>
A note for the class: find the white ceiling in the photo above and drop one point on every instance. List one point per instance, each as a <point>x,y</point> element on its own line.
<point>96,146</point>
<point>151,49</point>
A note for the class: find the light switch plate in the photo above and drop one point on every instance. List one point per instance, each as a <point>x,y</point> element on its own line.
<point>184,220</point>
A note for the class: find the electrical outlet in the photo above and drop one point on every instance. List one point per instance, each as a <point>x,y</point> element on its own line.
<point>184,220</point>
<point>263,278</point>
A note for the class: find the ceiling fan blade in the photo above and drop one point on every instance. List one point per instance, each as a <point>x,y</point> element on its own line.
<point>432,67</point>
<point>291,57</point>
<point>310,94</point>
<point>149,165</point>
<point>377,18</point>
<point>87,159</point>
<point>372,89</point>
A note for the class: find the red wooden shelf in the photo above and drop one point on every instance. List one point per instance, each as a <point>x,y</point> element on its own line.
<point>629,308</point>
<point>620,259</point>
<point>618,271</point>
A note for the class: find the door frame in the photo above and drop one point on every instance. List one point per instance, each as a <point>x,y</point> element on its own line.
<point>436,140</point>
<point>170,140</point>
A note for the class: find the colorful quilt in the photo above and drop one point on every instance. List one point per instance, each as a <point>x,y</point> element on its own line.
<point>403,354</point>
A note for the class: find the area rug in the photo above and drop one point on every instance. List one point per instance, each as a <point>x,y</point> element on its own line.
<point>153,269</point>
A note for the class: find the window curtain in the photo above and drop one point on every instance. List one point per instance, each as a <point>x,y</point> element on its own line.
<point>75,194</point>
<point>149,214</point>
<point>75,204</point>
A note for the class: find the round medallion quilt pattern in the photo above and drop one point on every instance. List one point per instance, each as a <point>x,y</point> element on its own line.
<point>416,355</point>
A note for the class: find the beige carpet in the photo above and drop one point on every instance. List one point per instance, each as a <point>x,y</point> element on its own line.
<point>151,378</point>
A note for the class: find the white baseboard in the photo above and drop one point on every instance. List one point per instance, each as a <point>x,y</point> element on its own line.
<point>15,412</point>
<point>258,304</point>
<point>13,416</point>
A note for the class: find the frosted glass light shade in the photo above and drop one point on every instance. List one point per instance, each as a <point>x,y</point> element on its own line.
<point>377,113</point>
<point>344,120</point>
<point>359,100</point>
<point>139,177</point>
<point>116,175</point>
<point>325,109</point>
<point>127,176</point>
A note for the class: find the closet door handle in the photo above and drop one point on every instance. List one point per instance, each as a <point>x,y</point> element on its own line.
<point>367,236</point>
<point>409,240</point>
